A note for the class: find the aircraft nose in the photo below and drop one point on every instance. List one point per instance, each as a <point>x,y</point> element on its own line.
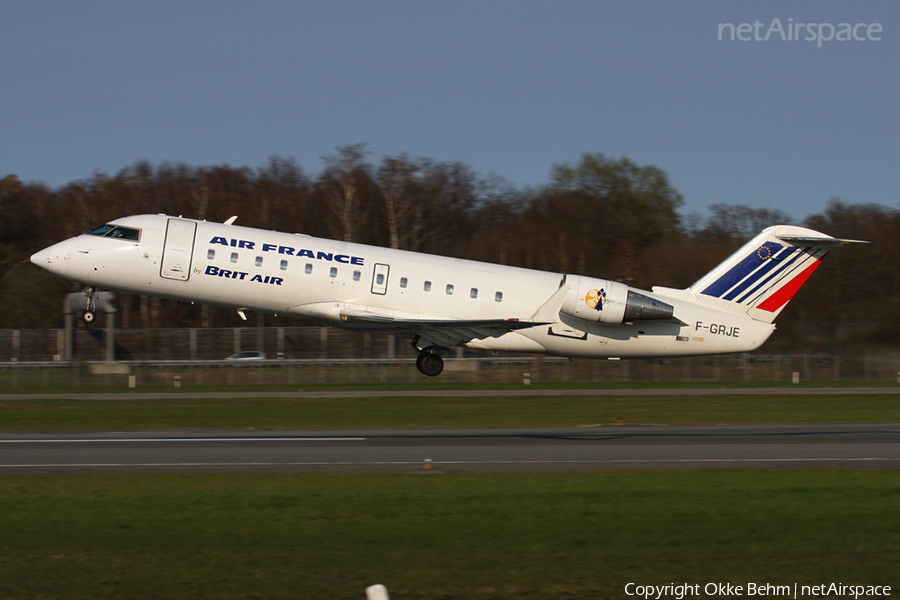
<point>52,258</point>
<point>42,258</point>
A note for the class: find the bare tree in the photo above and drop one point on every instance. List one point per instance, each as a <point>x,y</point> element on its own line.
<point>281,189</point>
<point>403,202</point>
<point>344,185</point>
<point>200,194</point>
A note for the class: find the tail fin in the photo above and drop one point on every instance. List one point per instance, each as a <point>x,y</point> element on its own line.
<point>761,278</point>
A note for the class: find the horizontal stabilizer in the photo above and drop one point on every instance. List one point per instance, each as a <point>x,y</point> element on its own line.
<point>820,242</point>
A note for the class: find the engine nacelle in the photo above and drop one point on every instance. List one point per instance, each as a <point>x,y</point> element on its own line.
<point>605,301</point>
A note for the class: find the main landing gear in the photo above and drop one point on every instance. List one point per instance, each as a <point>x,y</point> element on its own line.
<point>428,362</point>
<point>89,315</point>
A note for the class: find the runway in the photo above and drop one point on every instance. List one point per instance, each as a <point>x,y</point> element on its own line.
<point>865,445</point>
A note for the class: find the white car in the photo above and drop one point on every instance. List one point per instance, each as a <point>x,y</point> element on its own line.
<point>248,355</point>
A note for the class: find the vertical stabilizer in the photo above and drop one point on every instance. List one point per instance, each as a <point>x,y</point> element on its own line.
<point>761,278</point>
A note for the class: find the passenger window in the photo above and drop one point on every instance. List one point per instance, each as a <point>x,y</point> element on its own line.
<point>473,293</point>
<point>403,282</point>
<point>449,289</point>
<point>308,268</point>
<point>234,257</point>
<point>259,261</point>
<point>498,297</point>
<point>210,254</point>
<point>379,279</point>
<point>356,275</point>
<point>333,272</point>
<point>283,265</point>
<point>427,286</point>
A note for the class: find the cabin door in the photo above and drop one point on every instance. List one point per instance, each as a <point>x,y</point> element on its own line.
<point>178,250</point>
<point>380,279</point>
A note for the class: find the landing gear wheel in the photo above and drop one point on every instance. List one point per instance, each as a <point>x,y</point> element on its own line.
<point>89,315</point>
<point>430,364</point>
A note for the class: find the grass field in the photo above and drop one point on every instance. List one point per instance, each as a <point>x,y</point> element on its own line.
<point>348,413</point>
<point>514,535</point>
<point>448,536</point>
<point>438,383</point>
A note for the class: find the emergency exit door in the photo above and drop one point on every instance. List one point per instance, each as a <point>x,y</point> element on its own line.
<point>178,250</point>
<point>380,279</point>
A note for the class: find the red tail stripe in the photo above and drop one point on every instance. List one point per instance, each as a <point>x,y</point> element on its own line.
<point>784,295</point>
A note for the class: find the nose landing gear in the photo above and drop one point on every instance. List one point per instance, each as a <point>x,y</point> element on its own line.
<point>89,315</point>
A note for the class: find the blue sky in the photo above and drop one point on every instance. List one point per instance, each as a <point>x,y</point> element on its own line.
<point>508,87</point>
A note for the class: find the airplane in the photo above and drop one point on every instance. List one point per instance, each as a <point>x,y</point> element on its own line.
<point>442,302</point>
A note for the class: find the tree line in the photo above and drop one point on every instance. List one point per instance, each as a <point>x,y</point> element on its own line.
<point>599,217</point>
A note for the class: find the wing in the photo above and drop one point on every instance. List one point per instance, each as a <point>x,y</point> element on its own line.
<point>440,332</point>
<point>450,332</point>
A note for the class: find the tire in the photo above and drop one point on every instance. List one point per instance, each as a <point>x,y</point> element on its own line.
<point>430,364</point>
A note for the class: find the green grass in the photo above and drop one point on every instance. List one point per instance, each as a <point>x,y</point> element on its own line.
<point>97,387</point>
<point>351,413</point>
<point>474,536</point>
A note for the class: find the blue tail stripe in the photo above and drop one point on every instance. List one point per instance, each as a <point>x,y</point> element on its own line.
<point>740,270</point>
<point>765,269</point>
<point>748,281</point>
<point>786,265</point>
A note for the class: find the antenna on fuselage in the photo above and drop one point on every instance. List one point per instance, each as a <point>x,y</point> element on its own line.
<point>231,220</point>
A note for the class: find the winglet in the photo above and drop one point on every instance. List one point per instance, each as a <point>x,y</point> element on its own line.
<point>549,312</point>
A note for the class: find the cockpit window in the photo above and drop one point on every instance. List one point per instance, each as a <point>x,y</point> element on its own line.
<point>116,231</point>
<point>102,230</point>
<point>125,233</point>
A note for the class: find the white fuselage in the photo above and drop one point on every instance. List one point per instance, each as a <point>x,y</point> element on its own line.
<point>292,274</point>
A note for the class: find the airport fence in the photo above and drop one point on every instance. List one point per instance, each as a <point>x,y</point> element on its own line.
<point>312,356</point>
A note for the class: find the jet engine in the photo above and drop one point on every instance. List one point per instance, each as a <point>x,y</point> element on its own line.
<point>605,301</point>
